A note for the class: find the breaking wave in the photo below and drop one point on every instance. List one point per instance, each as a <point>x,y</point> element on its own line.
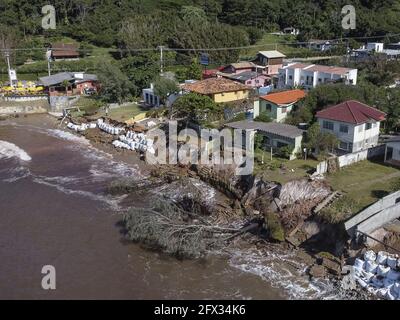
<point>64,135</point>
<point>9,150</point>
<point>111,201</point>
<point>282,271</point>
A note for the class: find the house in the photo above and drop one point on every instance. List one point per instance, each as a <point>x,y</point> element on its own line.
<point>291,30</point>
<point>70,83</point>
<point>374,46</point>
<point>321,45</point>
<point>210,73</point>
<point>275,135</point>
<point>393,46</point>
<point>355,124</point>
<point>219,89</point>
<point>392,151</point>
<point>150,99</point>
<point>277,105</point>
<point>250,78</point>
<point>239,67</point>
<point>311,75</point>
<point>64,51</point>
<point>269,62</point>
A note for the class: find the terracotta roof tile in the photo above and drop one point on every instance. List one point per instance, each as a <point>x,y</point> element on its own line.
<point>352,111</point>
<point>285,97</point>
<point>214,85</point>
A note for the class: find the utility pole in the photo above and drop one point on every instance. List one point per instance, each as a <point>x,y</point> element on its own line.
<point>7,54</point>
<point>48,58</point>
<point>161,60</point>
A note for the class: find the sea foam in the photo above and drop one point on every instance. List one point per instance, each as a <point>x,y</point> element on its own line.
<point>10,150</point>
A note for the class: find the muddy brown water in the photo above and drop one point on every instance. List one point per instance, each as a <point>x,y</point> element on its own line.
<point>54,211</point>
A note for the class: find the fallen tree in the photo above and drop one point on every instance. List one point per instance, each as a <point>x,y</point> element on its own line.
<point>170,228</point>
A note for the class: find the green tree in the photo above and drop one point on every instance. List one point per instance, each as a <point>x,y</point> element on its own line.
<point>115,86</point>
<point>164,87</point>
<point>196,107</point>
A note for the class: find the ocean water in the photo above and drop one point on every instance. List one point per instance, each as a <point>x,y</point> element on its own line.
<point>54,210</point>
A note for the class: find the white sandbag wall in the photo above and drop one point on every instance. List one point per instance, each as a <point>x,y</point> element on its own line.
<point>109,128</point>
<point>130,141</point>
<point>134,141</point>
<point>81,127</point>
<point>379,274</point>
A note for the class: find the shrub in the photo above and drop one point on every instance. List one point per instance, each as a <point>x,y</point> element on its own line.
<point>274,227</point>
<point>263,117</point>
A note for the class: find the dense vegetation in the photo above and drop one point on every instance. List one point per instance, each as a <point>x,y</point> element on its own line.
<point>111,35</point>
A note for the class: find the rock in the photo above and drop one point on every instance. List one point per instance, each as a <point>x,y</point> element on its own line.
<point>331,266</point>
<point>305,257</point>
<point>317,271</point>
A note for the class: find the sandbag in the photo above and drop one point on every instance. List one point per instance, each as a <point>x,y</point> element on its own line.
<point>391,295</point>
<point>369,256</point>
<point>381,258</point>
<point>367,276</point>
<point>381,293</point>
<point>359,264</point>
<point>392,262</point>
<point>370,266</point>
<point>396,288</point>
<point>376,282</point>
<point>393,275</point>
<point>387,283</point>
<point>383,271</point>
<point>362,283</point>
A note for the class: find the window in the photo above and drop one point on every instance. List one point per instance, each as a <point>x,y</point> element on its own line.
<point>319,80</point>
<point>344,128</point>
<point>290,77</point>
<point>268,107</point>
<point>343,145</point>
<point>327,125</point>
<point>368,126</point>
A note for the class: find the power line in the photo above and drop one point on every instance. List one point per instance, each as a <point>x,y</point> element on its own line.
<point>119,50</point>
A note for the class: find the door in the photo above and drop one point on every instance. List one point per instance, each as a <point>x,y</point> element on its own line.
<point>389,153</point>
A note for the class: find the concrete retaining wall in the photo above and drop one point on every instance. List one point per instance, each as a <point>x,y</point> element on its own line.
<point>23,109</point>
<point>25,98</point>
<point>351,158</point>
<point>380,219</point>
<point>363,218</point>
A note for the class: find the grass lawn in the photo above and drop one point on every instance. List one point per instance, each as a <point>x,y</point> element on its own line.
<point>268,42</point>
<point>365,182</point>
<point>123,113</point>
<point>271,171</point>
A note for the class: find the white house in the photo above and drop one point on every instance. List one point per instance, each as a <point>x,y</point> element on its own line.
<point>321,45</point>
<point>311,75</point>
<point>152,100</point>
<point>355,124</point>
<point>392,151</point>
<point>374,46</point>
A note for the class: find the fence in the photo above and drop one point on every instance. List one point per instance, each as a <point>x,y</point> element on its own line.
<point>350,158</point>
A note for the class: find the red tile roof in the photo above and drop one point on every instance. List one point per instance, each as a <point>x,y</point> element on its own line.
<point>285,97</point>
<point>215,85</point>
<point>351,112</point>
<point>64,50</point>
